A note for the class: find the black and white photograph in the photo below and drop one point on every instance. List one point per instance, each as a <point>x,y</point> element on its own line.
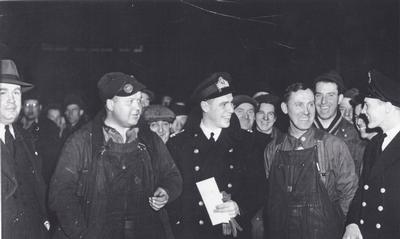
<point>200,119</point>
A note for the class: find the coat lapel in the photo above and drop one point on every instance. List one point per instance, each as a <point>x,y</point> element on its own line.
<point>389,156</point>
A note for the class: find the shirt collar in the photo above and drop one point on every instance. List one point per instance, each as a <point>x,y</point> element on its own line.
<point>3,132</point>
<point>207,132</point>
<point>390,134</point>
<point>307,140</point>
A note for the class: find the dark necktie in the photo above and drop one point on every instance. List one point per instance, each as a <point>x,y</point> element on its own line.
<point>380,142</point>
<point>212,139</point>
<point>9,140</point>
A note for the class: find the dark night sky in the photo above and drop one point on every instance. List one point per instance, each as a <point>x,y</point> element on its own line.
<point>171,46</point>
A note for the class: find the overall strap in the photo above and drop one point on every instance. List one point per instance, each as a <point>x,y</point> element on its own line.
<point>322,164</point>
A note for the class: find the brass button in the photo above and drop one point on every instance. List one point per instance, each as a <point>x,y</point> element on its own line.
<point>201,222</point>
<point>230,185</point>
<point>380,208</point>
<point>201,203</point>
<point>196,168</point>
<point>378,226</point>
<point>383,190</point>
<point>231,166</point>
<point>366,187</point>
<point>361,221</point>
<point>364,204</point>
<point>196,151</point>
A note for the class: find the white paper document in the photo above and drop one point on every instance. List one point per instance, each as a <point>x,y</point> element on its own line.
<point>212,197</point>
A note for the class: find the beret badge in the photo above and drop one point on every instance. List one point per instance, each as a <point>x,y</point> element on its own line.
<point>128,88</point>
<point>222,83</point>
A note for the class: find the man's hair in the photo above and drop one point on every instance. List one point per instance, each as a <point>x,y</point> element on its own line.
<point>293,88</point>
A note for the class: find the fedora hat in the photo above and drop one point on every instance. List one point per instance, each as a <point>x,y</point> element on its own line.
<point>9,74</point>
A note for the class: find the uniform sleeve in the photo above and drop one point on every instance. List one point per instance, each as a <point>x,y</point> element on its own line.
<point>63,196</point>
<point>170,178</point>
<point>346,180</point>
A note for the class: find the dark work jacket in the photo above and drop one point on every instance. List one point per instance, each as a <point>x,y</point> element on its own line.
<point>375,207</point>
<point>197,159</point>
<point>77,191</point>
<point>10,184</point>
<point>345,130</point>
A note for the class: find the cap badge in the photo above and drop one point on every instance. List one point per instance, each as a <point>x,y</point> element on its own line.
<point>222,83</point>
<point>128,88</point>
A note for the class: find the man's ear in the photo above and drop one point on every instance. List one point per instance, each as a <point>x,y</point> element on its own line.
<point>340,99</point>
<point>204,106</point>
<point>81,112</point>
<point>284,108</point>
<point>109,104</point>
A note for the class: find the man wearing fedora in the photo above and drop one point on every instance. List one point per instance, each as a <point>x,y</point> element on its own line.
<point>375,212</point>
<point>210,147</point>
<point>112,179</point>
<point>22,186</point>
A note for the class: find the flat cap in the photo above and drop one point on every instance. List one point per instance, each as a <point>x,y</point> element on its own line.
<point>9,75</point>
<point>216,85</point>
<point>383,88</point>
<point>240,99</point>
<point>118,84</point>
<point>331,76</point>
<point>268,99</point>
<point>158,112</point>
<point>179,108</point>
<point>73,99</point>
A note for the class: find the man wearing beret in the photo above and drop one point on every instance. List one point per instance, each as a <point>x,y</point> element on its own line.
<point>159,119</point>
<point>113,180</point>
<point>22,186</point>
<point>209,147</point>
<point>375,211</point>
<point>244,107</point>
<point>328,89</point>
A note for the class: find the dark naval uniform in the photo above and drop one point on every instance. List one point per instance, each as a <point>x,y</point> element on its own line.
<point>199,159</point>
<point>375,207</point>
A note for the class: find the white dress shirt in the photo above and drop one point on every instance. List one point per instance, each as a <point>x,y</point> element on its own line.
<point>207,132</point>
<point>390,134</point>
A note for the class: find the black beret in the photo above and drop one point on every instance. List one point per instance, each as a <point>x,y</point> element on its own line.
<point>118,84</point>
<point>158,112</point>
<point>240,99</point>
<point>331,76</point>
<point>383,88</point>
<point>216,85</point>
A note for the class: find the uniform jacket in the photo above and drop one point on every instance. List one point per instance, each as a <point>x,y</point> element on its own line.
<point>76,190</point>
<point>340,180</point>
<point>375,208</point>
<point>9,182</point>
<point>345,130</point>
<point>197,160</point>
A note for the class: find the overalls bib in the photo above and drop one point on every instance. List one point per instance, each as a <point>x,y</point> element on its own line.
<point>299,206</point>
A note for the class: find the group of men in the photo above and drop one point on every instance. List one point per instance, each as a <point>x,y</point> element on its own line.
<point>117,179</point>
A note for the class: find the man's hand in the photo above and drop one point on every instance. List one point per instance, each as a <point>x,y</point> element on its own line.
<point>230,207</point>
<point>159,199</point>
<point>352,232</point>
<point>231,228</point>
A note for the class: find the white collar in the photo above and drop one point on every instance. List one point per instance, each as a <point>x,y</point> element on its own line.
<point>207,132</point>
<point>3,131</point>
<point>390,134</point>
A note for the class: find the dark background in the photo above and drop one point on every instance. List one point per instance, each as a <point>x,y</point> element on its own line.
<point>172,45</point>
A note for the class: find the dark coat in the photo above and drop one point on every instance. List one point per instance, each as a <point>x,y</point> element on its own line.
<point>375,207</point>
<point>197,160</point>
<point>10,184</point>
<point>76,189</point>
